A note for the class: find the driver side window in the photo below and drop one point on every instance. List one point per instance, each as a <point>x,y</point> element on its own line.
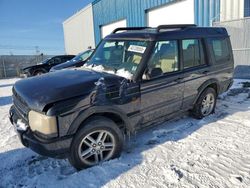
<point>164,59</point>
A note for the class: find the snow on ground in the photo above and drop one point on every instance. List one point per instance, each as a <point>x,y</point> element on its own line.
<point>213,152</point>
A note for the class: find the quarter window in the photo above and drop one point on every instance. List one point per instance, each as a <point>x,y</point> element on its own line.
<point>220,49</point>
<point>193,53</point>
<point>165,57</point>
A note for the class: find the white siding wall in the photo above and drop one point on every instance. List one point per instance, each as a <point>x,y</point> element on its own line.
<point>180,12</point>
<point>79,31</point>
<point>107,29</point>
<point>231,10</point>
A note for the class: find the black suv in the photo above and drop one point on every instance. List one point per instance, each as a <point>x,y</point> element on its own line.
<point>45,66</point>
<point>135,78</point>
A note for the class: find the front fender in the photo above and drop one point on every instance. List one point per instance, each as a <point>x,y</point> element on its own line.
<point>96,110</point>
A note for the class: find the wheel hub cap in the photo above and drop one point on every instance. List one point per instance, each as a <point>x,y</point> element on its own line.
<point>208,104</point>
<point>96,147</point>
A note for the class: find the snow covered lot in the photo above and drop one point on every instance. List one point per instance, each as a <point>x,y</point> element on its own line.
<point>213,152</point>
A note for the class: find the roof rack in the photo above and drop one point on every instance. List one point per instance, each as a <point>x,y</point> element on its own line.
<point>175,26</point>
<point>158,29</point>
<point>129,29</point>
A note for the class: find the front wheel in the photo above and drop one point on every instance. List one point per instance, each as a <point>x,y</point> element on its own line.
<point>205,104</point>
<point>99,140</point>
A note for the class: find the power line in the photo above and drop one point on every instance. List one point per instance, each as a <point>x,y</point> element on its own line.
<point>15,47</point>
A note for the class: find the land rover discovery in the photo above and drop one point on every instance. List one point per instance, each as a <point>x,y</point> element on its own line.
<point>135,78</point>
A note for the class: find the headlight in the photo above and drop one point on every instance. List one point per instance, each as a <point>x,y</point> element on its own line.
<point>44,124</point>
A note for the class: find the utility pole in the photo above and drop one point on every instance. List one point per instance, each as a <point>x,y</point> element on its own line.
<point>4,70</point>
<point>37,53</point>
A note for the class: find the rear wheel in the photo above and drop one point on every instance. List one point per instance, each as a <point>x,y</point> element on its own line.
<point>99,140</point>
<point>205,104</point>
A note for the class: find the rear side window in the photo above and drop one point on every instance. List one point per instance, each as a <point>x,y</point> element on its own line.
<point>220,49</point>
<point>193,53</point>
<point>57,60</point>
<point>64,59</point>
<point>67,58</point>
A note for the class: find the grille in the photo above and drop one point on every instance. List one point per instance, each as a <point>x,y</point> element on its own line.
<point>20,106</point>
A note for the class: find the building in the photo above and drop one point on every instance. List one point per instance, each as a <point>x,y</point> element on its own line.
<point>79,31</point>
<point>231,9</point>
<point>234,9</point>
<point>235,17</point>
<point>101,17</point>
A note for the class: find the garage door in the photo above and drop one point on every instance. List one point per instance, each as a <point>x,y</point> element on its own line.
<point>107,29</point>
<point>181,12</point>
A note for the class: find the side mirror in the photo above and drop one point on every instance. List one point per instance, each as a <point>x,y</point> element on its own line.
<point>153,73</point>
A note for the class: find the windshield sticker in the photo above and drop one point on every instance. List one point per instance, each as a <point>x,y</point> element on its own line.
<point>138,49</point>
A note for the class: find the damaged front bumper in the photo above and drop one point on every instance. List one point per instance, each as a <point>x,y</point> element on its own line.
<point>56,147</point>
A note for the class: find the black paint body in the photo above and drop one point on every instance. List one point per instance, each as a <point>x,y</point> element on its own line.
<point>75,95</point>
<point>46,66</point>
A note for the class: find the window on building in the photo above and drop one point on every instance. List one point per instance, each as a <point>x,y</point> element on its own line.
<point>193,53</point>
<point>165,57</point>
<point>247,8</point>
<point>220,49</point>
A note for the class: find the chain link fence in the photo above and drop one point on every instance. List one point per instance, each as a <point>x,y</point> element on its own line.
<point>239,31</point>
<point>11,65</point>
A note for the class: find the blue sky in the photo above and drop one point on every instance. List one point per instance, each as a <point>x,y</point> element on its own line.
<point>30,25</point>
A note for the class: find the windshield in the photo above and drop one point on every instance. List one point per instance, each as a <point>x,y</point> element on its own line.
<point>83,56</point>
<point>118,57</point>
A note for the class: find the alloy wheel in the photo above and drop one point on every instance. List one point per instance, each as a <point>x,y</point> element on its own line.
<point>96,147</point>
<point>207,104</point>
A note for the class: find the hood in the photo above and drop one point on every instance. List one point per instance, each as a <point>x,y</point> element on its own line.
<point>46,89</point>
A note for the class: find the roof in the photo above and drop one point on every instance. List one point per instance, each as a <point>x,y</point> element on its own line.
<point>167,31</point>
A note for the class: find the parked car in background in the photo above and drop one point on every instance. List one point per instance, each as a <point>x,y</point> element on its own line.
<point>135,78</point>
<point>77,61</point>
<point>45,66</point>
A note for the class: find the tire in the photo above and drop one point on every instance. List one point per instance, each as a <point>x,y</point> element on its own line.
<point>202,103</point>
<point>86,143</point>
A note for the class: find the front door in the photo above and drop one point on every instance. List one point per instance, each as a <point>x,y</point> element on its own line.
<point>162,87</point>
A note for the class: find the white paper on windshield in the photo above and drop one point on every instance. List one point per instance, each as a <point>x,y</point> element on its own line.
<point>138,49</point>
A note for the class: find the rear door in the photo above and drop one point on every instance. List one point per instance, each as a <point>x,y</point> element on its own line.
<point>222,60</point>
<point>195,69</point>
<point>162,95</point>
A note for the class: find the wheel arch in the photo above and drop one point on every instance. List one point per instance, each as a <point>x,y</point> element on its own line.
<point>213,83</point>
<point>113,113</point>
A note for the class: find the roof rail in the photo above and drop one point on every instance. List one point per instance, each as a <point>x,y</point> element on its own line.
<point>129,29</point>
<point>175,26</point>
